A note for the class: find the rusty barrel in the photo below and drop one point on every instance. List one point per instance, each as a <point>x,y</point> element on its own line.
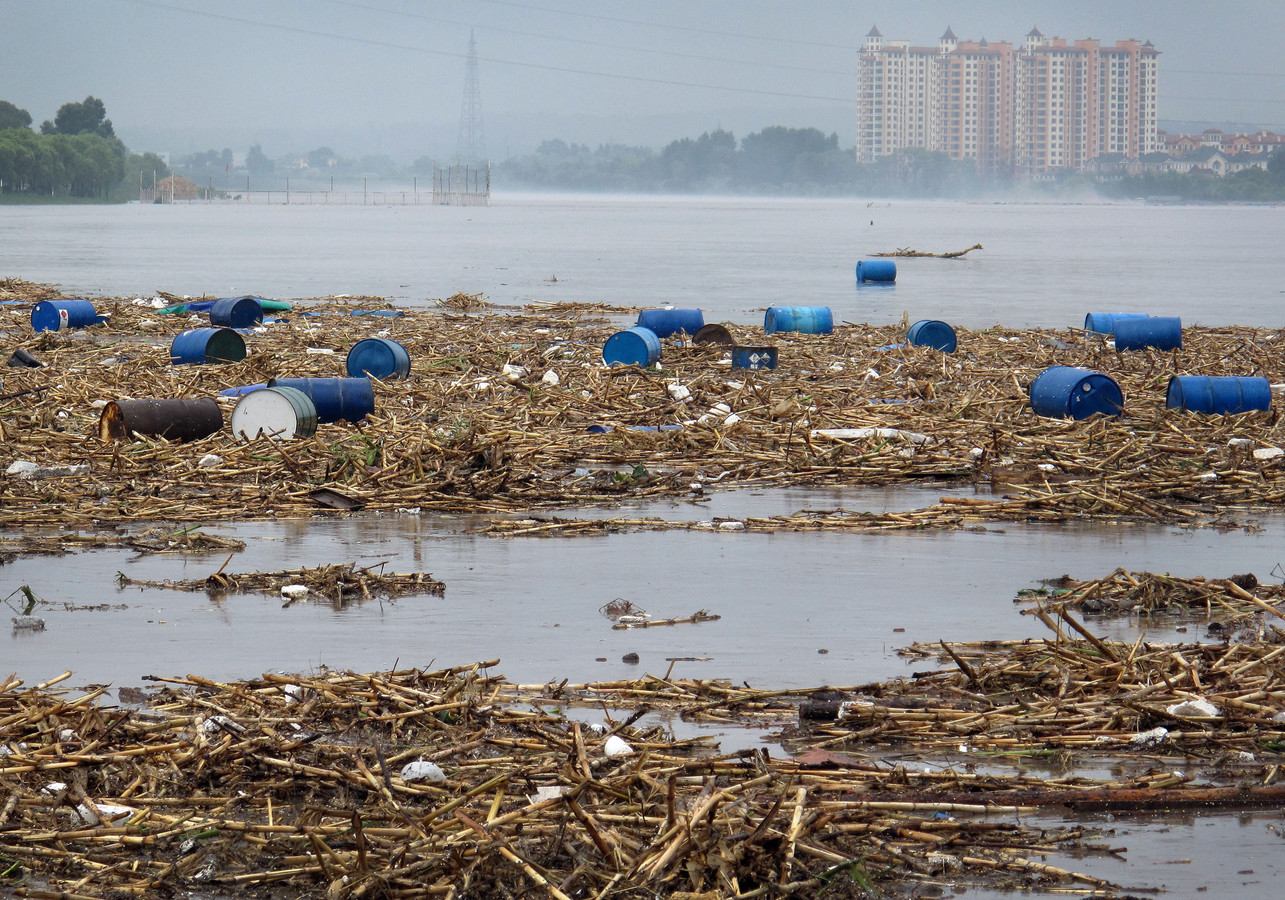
<point>174,420</point>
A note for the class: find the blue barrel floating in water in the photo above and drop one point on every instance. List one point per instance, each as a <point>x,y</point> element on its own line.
<point>635,346</point>
<point>876,271</point>
<point>1157,332</point>
<point>236,312</point>
<point>350,399</point>
<point>805,319</point>
<point>1064,392</point>
<point>1218,394</point>
<point>931,333</point>
<point>207,345</point>
<point>1104,323</point>
<point>59,315</point>
<point>279,413</point>
<point>665,322</point>
<point>754,357</point>
<point>378,358</point>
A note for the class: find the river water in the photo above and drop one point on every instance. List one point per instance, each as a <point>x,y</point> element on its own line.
<point>1041,264</point>
<point>797,609</point>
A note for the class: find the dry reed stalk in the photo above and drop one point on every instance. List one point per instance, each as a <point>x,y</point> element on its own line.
<point>464,434</point>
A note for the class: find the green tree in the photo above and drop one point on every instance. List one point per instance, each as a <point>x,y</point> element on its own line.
<point>768,157</point>
<point>257,163</point>
<point>321,158</point>
<point>139,170</point>
<point>88,116</point>
<point>1276,163</point>
<point>13,117</point>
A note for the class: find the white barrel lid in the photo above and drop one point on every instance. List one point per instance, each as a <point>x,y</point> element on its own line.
<point>265,413</point>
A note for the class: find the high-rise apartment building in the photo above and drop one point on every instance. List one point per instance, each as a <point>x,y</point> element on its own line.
<point>1034,109</point>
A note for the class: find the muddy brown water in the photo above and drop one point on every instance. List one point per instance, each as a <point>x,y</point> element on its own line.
<point>533,603</point>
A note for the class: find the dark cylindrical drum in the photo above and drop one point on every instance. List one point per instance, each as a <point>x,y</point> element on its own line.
<point>754,357</point>
<point>236,312</point>
<point>1157,332</point>
<point>59,315</point>
<point>665,322</point>
<point>207,345</point>
<point>635,346</point>
<point>805,319</point>
<point>876,270</point>
<point>1218,394</point>
<point>378,358</point>
<point>279,413</point>
<point>931,333</point>
<point>1068,392</point>
<point>349,399</point>
<point>1104,323</point>
<point>715,334</point>
<point>174,420</point>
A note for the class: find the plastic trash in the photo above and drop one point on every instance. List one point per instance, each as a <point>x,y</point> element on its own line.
<point>1194,708</point>
<point>26,469</point>
<point>112,812</point>
<point>21,359</point>
<point>294,591</point>
<point>616,746</point>
<point>1153,738</point>
<point>859,434</point>
<point>678,391</point>
<point>422,770</point>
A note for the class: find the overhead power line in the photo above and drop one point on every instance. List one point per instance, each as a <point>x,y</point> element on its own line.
<point>373,42</point>
<point>757,63</point>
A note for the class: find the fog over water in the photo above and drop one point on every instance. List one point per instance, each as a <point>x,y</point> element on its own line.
<point>387,76</point>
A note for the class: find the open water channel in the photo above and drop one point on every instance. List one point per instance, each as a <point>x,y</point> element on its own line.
<point>783,598</point>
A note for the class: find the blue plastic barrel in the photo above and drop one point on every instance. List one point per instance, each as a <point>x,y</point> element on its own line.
<point>1218,394</point>
<point>59,315</point>
<point>207,345</point>
<point>635,346</point>
<point>1064,392</point>
<point>665,322</point>
<point>931,333</point>
<point>871,271</point>
<point>236,312</point>
<point>1104,323</point>
<point>1156,332</point>
<point>242,390</point>
<point>754,357</point>
<point>805,319</point>
<point>378,358</point>
<point>350,399</point>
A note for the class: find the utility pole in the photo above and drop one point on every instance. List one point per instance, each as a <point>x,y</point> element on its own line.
<point>470,149</point>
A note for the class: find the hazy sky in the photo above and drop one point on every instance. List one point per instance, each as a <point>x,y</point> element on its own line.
<point>387,76</point>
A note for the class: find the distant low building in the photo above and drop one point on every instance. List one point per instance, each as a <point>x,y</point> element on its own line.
<point>1260,142</point>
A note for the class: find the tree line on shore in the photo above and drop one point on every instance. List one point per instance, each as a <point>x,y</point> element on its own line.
<point>77,156</point>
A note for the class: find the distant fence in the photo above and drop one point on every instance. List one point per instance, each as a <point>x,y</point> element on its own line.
<point>411,197</point>
<point>452,186</point>
<point>462,186</point>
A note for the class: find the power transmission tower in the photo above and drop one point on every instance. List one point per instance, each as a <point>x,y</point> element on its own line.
<point>470,149</point>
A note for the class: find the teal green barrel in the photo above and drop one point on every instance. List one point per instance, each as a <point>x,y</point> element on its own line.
<point>804,319</point>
